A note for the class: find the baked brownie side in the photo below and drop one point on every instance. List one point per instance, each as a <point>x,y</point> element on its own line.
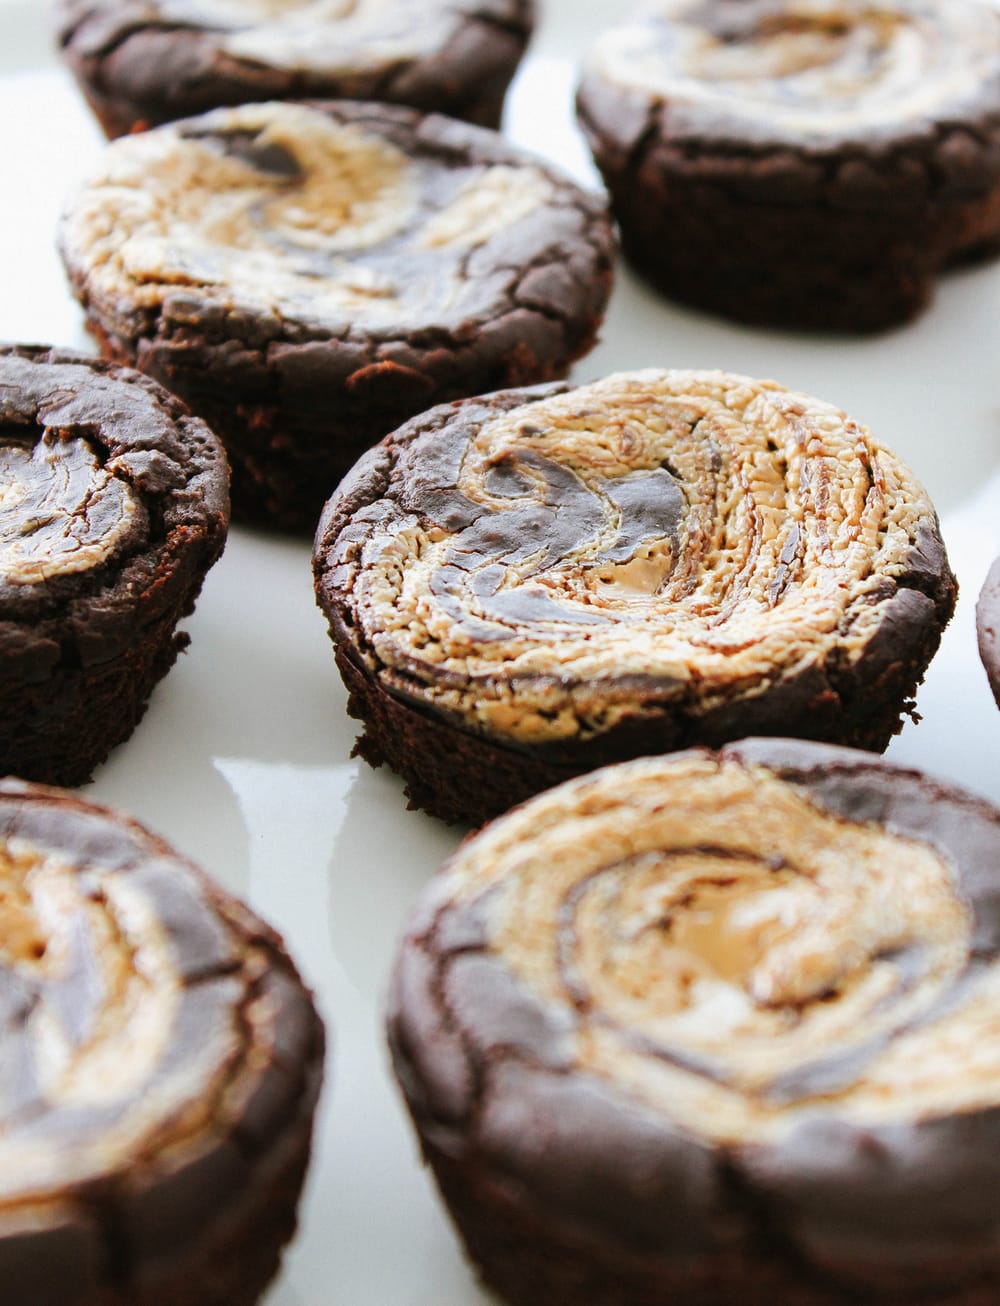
<point>714,1028</point>
<point>793,170</point>
<point>116,505</point>
<point>142,64</point>
<point>527,585</point>
<point>163,1066</point>
<point>307,278</point>
<point>988,628</point>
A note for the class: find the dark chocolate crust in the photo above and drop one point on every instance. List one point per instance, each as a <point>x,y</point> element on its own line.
<point>469,775</point>
<point>81,651</point>
<point>568,1189</point>
<point>179,1186</point>
<point>138,68</point>
<point>988,627</point>
<point>296,402</point>
<point>846,234</point>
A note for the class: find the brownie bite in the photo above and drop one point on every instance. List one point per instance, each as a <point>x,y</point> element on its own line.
<point>988,627</point>
<point>804,165</point>
<point>716,1028</point>
<point>308,277</point>
<point>114,506</point>
<point>144,62</point>
<point>162,1062</point>
<point>526,585</point>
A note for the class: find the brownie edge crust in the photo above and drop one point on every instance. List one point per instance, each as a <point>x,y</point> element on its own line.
<point>527,585</point>
<point>115,506</point>
<point>162,1064</point>
<point>714,1028</point>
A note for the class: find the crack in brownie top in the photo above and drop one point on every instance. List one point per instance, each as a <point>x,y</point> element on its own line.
<point>534,565</point>
<point>728,945</point>
<point>820,69</point>
<point>346,224</point>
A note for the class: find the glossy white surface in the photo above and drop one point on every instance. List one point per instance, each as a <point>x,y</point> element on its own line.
<point>243,761</point>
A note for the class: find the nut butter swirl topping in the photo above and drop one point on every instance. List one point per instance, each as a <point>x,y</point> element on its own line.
<point>328,35</point>
<point>819,68</point>
<point>281,209</point>
<point>686,533</point>
<point>724,946</point>
<point>156,1039</point>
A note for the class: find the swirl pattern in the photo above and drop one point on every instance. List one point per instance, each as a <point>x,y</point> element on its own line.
<point>760,962</point>
<point>688,549</point>
<point>161,1064</point>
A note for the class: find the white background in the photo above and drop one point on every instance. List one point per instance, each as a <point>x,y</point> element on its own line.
<point>243,760</point>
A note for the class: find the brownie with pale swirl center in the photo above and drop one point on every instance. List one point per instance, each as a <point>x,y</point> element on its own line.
<point>114,505</point>
<point>308,277</point>
<point>529,584</point>
<point>144,62</point>
<point>161,1067</point>
<point>716,1028</point>
<point>800,164</point>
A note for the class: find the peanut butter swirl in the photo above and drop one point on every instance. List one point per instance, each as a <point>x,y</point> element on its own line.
<point>818,69</point>
<point>158,1044</point>
<point>660,542</point>
<point>284,211</point>
<point>680,1003</point>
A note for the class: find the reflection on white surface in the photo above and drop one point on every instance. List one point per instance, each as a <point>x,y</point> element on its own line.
<point>244,758</point>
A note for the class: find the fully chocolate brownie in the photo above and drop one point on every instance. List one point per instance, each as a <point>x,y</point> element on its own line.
<point>718,1028</point>
<point>114,506</point>
<point>799,164</point>
<point>144,62</point>
<point>308,277</point>
<point>526,585</point>
<point>161,1067</point>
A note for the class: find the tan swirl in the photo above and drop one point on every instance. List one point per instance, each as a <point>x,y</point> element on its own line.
<point>814,66</point>
<point>730,953</point>
<point>62,511</point>
<point>318,221</point>
<point>696,529</point>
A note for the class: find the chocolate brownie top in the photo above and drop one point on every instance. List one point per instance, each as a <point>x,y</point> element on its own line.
<point>683,996</point>
<point>314,221</point>
<point>539,565</point>
<point>823,73</point>
<point>339,38</point>
<point>112,493</point>
<point>157,1042</point>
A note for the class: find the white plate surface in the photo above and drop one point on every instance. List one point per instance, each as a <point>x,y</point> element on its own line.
<point>243,761</point>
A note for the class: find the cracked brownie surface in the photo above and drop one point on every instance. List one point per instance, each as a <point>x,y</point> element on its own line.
<point>526,585</point>
<point>162,1063</point>
<point>307,277</point>
<point>144,62</point>
<point>712,1028</point>
<point>114,506</point>
<point>810,164</point>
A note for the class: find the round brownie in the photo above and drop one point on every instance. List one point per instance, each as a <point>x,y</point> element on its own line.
<point>308,277</point>
<point>799,164</point>
<point>114,506</point>
<point>716,1028</point>
<point>529,584</point>
<point>988,627</point>
<point>144,62</point>
<point>161,1067</point>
